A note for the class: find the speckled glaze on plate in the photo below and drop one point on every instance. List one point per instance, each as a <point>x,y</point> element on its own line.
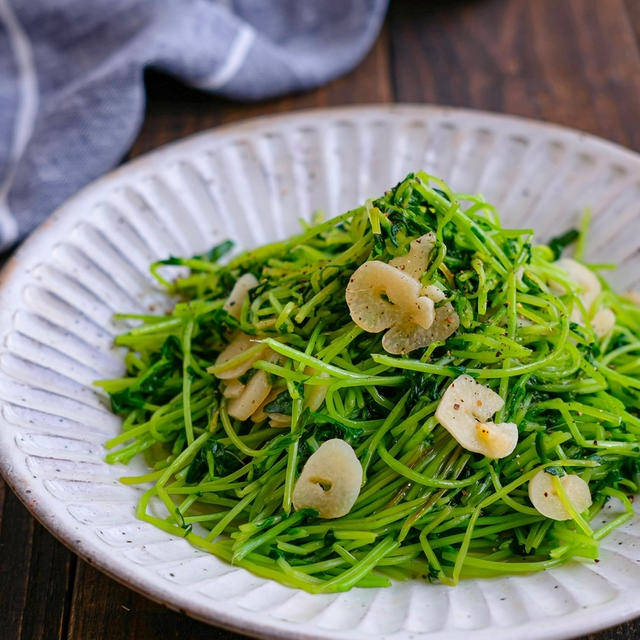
<point>251,182</point>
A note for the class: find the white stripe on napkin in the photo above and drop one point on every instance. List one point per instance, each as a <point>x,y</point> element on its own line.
<point>237,55</point>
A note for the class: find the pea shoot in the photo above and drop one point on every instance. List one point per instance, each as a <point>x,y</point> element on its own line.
<point>427,508</point>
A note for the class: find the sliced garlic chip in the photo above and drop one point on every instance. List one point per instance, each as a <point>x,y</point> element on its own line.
<point>240,343</point>
<point>389,296</point>
<point>256,391</point>
<point>239,294</point>
<point>314,394</point>
<point>313,398</point>
<point>586,280</point>
<point>435,293</point>
<point>583,276</point>
<point>259,415</point>
<point>405,337</point>
<point>415,262</point>
<point>544,498</point>
<point>464,411</point>
<point>247,403</point>
<point>330,480</point>
<point>279,420</point>
<point>233,389</point>
<point>379,296</point>
<point>590,289</point>
<point>603,322</point>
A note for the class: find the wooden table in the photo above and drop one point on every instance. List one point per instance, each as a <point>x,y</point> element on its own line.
<point>574,62</point>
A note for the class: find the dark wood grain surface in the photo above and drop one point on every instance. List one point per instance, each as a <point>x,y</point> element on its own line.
<point>575,62</point>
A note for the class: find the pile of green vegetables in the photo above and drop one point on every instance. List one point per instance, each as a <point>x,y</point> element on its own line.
<point>427,508</point>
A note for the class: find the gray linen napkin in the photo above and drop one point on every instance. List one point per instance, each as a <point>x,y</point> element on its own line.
<point>71,76</point>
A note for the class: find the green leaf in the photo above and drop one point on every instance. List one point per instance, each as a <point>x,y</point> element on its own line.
<point>282,403</point>
<point>218,251</point>
<point>561,242</point>
<point>225,461</point>
<point>555,471</point>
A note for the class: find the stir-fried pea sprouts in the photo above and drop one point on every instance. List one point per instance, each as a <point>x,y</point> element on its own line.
<point>427,508</point>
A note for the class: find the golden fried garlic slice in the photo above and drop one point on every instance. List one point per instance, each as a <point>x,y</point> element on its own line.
<point>233,388</point>
<point>433,292</point>
<point>585,278</point>
<point>279,420</point>
<point>403,338</point>
<point>380,299</point>
<point>464,411</point>
<point>379,296</point>
<point>603,322</point>
<point>259,414</point>
<point>415,262</point>
<point>240,343</point>
<point>255,392</point>
<point>545,499</point>
<point>330,480</point>
<point>313,398</point>
<point>590,289</point>
<point>314,394</point>
<point>239,294</point>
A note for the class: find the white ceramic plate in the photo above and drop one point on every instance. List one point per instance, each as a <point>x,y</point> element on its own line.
<point>251,182</point>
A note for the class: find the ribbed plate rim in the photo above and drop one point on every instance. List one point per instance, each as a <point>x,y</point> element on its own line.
<point>39,504</point>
